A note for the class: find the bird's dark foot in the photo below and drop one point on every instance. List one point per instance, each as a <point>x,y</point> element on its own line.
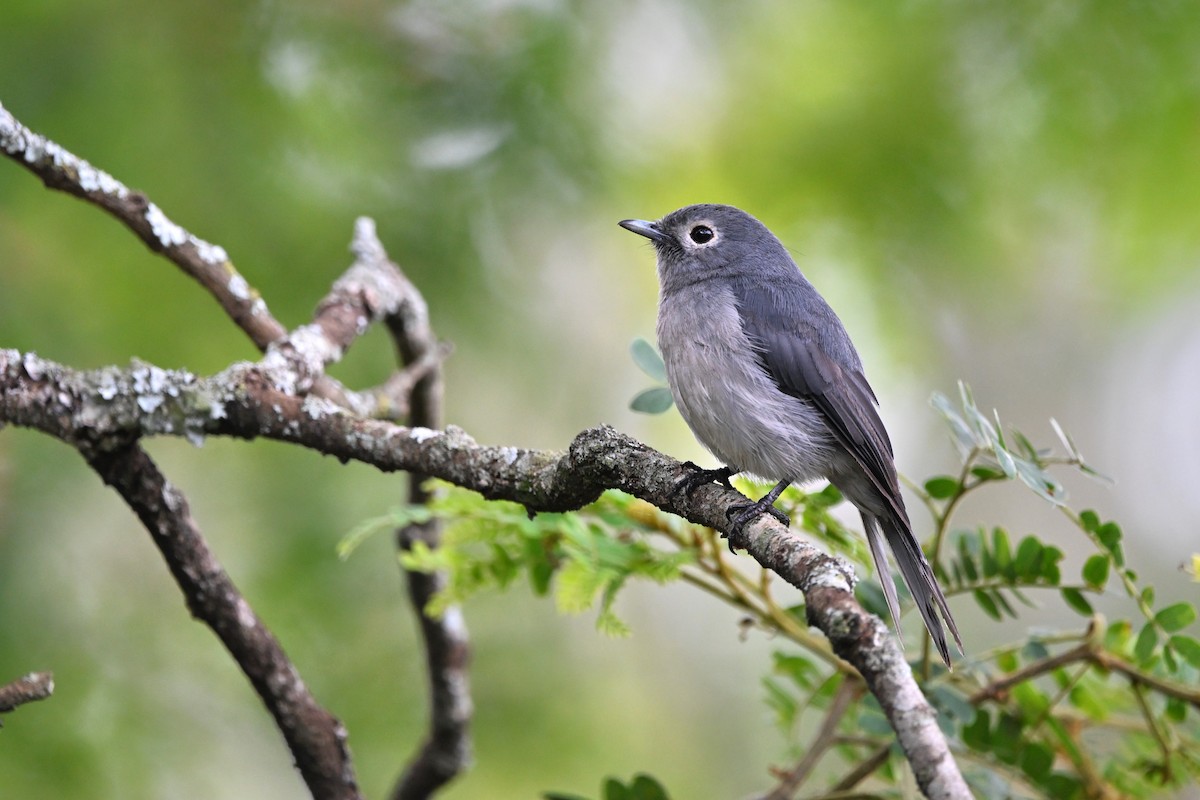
<point>742,514</point>
<point>699,476</point>
<point>739,515</point>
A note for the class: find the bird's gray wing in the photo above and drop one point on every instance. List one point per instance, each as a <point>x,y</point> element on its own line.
<point>803,347</point>
<point>793,351</point>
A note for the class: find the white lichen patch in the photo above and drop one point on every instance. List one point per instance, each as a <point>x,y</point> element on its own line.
<point>217,410</point>
<point>97,180</point>
<point>238,287</point>
<point>245,614</point>
<point>317,407</point>
<point>149,402</point>
<point>107,388</point>
<point>313,346</point>
<point>167,232</point>
<point>421,435</point>
<point>171,498</point>
<point>34,367</point>
<point>509,455</point>
<point>212,254</point>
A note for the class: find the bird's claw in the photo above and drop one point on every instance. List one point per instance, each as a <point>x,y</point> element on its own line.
<point>699,476</point>
<point>742,514</point>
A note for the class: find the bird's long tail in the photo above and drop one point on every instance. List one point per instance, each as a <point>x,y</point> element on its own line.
<point>917,574</point>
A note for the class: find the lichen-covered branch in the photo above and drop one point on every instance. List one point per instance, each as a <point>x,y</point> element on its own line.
<point>207,263</point>
<point>93,409</point>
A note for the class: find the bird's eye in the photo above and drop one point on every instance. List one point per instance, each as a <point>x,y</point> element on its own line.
<point>701,234</point>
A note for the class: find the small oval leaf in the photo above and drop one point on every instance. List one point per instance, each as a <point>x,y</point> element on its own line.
<point>652,401</point>
<point>1188,648</point>
<point>1176,617</point>
<point>648,359</point>
<point>942,487</point>
<point>1075,599</point>
<point>1146,642</point>
<point>1095,570</point>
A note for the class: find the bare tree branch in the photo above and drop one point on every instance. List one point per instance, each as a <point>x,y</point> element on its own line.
<point>316,739</point>
<point>26,689</point>
<point>207,263</point>
<point>418,389</point>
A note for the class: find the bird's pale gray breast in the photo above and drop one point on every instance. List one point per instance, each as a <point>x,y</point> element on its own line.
<point>726,397</point>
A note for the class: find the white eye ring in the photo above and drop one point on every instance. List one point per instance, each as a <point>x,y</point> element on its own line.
<point>702,234</point>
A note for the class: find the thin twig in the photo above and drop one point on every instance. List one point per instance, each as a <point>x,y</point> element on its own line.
<point>863,771</point>
<point>847,693</point>
<point>26,689</point>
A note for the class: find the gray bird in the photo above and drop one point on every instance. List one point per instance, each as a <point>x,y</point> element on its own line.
<point>767,379</point>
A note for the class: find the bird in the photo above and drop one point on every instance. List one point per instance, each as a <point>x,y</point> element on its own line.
<point>765,375</point>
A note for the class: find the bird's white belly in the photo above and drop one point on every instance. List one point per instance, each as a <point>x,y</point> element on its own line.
<point>732,406</point>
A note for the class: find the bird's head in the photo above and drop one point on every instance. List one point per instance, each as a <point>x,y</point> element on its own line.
<point>703,242</point>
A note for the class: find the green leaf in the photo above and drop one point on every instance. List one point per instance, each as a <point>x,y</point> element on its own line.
<point>1188,648</point>
<point>986,473</point>
<point>964,557</point>
<point>798,669</point>
<point>1176,617</point>
<point>987,604</point>
<point>781,701</point>
<point>1031,700</point>
<point>942,487</point>
<point>1062,785</point>
<point>1110,536</point>
<point>1146,641</point>
<point>1027,563</point>
<point>615,790</point>
<point>1035,650</point>
<point>1051,555</point>
<point>648,359</point>
<point>1003,604</point>
<point>1118,636</point>
<point>1075,599</point>
<point>1001,551</point>
<point>1169,660</point>
<point>978,735</point>
<point>952,704</point>
<point>1084,698</point>
<point>1006,742</point>
<point>1090,520</point>
<point>1095,570</point>
<point>652,401</point>
<point>1035,760</point>
<point>645,787</point>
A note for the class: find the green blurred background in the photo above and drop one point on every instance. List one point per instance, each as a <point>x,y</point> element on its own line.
<point>1004,193</point>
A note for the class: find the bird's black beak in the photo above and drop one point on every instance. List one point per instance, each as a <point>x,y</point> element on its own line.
<point>643,228</point>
